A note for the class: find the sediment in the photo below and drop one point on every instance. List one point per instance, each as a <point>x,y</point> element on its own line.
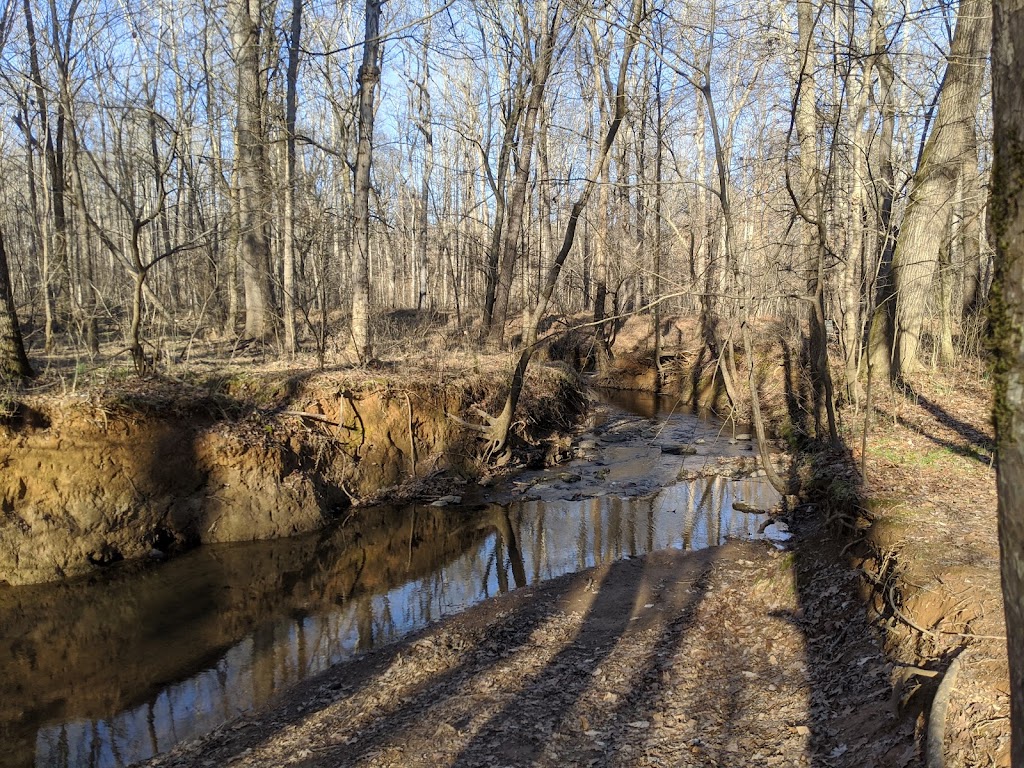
<point>148,468</point>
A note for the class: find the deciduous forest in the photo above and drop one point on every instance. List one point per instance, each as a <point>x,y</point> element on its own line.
<point>810,204</point>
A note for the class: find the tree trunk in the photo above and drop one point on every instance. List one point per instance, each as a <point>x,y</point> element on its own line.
<point>244,20</point>
<point>13,361</point>
<point>659,140</point>
<point>879,342</point>
<point>498,432</point>
<point>369,76</point>
<point>288,234</point>
<point>933,187</point>
<point>1007,318</point>
<point>56,280</point>
<point>541,68</point>
<point>424,124</point>
<point>812,207</point>
<point>973,202</point>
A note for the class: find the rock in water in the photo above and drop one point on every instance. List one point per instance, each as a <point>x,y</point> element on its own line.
<point>777,531</point>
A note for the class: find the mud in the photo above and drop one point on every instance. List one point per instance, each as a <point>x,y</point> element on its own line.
<point>115,475</point>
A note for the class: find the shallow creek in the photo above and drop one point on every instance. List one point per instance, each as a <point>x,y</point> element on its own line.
<point>123,665</point>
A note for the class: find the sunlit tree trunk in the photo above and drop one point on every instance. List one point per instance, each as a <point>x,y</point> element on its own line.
<point>933,188</point>
<point>244,20</point>
<point>813,211</point>
<point>1007,317</point>
<point>543,54</point>
<point>498,430</point>
<point>56,278</point>
<point>424,125</point>
<point>369,77</point>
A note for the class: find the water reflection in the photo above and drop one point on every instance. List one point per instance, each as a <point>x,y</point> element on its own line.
<point>109,673</point>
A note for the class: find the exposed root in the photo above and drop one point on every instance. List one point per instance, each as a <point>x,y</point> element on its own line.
<point>937,716</point>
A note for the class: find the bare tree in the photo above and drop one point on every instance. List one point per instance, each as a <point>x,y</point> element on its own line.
<point>245,23</point>
<point>13,360</point>
<point>933,189</point>
<point>288,235</point>
<point>498,430</point>
<point>369,76</point>
<point>810,205</point>
<point>540,52</point>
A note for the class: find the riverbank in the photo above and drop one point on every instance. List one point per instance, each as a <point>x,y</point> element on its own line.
<point>127,468</point>
<point>930,556</point>
<point>829,654</point>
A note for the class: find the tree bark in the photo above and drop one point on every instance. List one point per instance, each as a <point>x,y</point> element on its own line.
<point>288,235</point>
<point>541,67</point>
<point>56,278</point>
<point>13,360</point>
<point>424,124</point>
<point>244,20</point>
<point>498,432</point>
<point>369,76</point>
<point>933,187</point>
<point>879,342</point>
<point>813,231</point>
<point>1007,319</point>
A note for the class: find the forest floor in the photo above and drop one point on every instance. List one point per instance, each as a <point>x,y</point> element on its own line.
<point>828,654</point>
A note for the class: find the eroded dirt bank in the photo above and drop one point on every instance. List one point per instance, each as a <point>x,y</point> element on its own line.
<point>125,472</point>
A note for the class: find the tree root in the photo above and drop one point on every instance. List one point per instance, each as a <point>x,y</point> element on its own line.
<point>937,716</point>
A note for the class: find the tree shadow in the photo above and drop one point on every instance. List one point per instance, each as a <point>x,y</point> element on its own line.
<point>974,438</point>
<point>509,634</point>
<point>615,608</point>
<point>853,718</point>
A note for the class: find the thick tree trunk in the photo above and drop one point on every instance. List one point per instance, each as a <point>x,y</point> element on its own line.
<point>1007,316</point>
<point>813,231</point>
<point>933,187</point>
<point>369,76</point>
<point>13,361</point>
<point>879,342</point>
<point>250,158</point>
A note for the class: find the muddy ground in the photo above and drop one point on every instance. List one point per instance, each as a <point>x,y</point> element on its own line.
<point>829,654</point>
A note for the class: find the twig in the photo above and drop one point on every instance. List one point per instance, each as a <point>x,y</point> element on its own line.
<point>313,416</point>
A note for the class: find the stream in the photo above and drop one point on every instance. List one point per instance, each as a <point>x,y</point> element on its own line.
<point>121,666</point>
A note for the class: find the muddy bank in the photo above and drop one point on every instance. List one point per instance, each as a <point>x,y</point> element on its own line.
<point>150,468</point>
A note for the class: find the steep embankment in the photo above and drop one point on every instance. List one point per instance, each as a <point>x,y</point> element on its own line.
<point>140,468</point>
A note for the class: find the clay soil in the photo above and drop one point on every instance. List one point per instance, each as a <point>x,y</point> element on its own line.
<point>828,654</point>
